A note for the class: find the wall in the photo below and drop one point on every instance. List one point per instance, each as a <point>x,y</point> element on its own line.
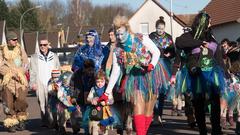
<point>229,30</point>
<point>149,13</point>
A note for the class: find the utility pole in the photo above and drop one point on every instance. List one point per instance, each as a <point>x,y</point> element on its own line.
<point>171,17</point>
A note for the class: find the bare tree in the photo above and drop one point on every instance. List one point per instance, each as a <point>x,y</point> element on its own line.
<point>80,12</point>
<point>105,14</point>
<point>51,14</point>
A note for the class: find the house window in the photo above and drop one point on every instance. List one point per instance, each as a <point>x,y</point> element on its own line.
<point>144,28</point>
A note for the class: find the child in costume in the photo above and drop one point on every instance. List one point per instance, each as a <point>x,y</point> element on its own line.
<point>67,107</point>
<point>52,98</point>
<point>93,97</point>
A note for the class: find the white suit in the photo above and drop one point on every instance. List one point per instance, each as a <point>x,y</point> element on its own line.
<point>40,72</point>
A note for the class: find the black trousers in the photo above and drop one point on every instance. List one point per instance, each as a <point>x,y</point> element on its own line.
<point>200,109</point>
<point>158,111</point>
<point>189,109</point>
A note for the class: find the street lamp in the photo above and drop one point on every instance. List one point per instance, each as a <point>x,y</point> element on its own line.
<point>39,6</point>
<point>21,18</point>
<point>25,13</point>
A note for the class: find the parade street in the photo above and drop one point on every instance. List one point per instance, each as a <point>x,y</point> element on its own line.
<point>174,125</point>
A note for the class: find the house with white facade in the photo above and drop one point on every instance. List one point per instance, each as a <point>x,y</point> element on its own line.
<point>225,16</point>
<point>143,20</point>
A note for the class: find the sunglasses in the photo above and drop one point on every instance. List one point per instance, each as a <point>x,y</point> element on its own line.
<point>43,44</point>
<point>14,39</point>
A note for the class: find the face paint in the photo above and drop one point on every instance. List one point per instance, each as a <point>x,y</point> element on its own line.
<point>122,34</point>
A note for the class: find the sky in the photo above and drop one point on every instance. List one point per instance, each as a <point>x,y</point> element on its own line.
<point>179,6</point>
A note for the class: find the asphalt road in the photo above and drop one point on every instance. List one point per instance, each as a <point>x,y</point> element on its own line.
<point>174,125</point>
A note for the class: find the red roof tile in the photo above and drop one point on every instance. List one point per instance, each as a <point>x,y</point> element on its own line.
<point>187,18</point>
<point>223,11</point>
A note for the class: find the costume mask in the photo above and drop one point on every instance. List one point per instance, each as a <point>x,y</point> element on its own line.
<point>122,34</point>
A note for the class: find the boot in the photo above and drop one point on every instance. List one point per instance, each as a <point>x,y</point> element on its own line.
<point>148,121</point>
<point>75,131</point>
<point>12,129</point>
<point>237,130</point>
<point>139,123</point>
<point>203,131</point>
<point>21,126</point>
<point>191,121</point>
<point>11,124</point>
<point>192,125</point>
<point>120,131</point>
<point>62,130</point>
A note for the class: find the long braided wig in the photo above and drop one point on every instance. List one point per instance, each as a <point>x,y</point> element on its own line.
<point>200,29</point>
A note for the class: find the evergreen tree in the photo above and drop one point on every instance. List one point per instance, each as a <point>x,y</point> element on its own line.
<point>30,18</point>
<point>4,10</point>
<point>13,19</point>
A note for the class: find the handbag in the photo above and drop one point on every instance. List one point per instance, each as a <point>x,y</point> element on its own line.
<point>96,113</point>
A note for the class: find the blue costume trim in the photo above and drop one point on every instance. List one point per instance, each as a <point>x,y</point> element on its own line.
<point>89,52</point>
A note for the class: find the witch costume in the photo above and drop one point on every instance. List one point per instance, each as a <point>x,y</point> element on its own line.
<point>205,75</point>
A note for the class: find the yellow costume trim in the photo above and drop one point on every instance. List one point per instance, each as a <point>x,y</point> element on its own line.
<point>22,78</point>
<point>7,78</point>
<point>67,114</point>
<point>11,55</point>
<point>22,117</point>
<point>106,112</point>
<point>9,122</point>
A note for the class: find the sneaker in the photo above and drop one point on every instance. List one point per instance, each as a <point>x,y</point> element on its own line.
<point>237,130</point>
